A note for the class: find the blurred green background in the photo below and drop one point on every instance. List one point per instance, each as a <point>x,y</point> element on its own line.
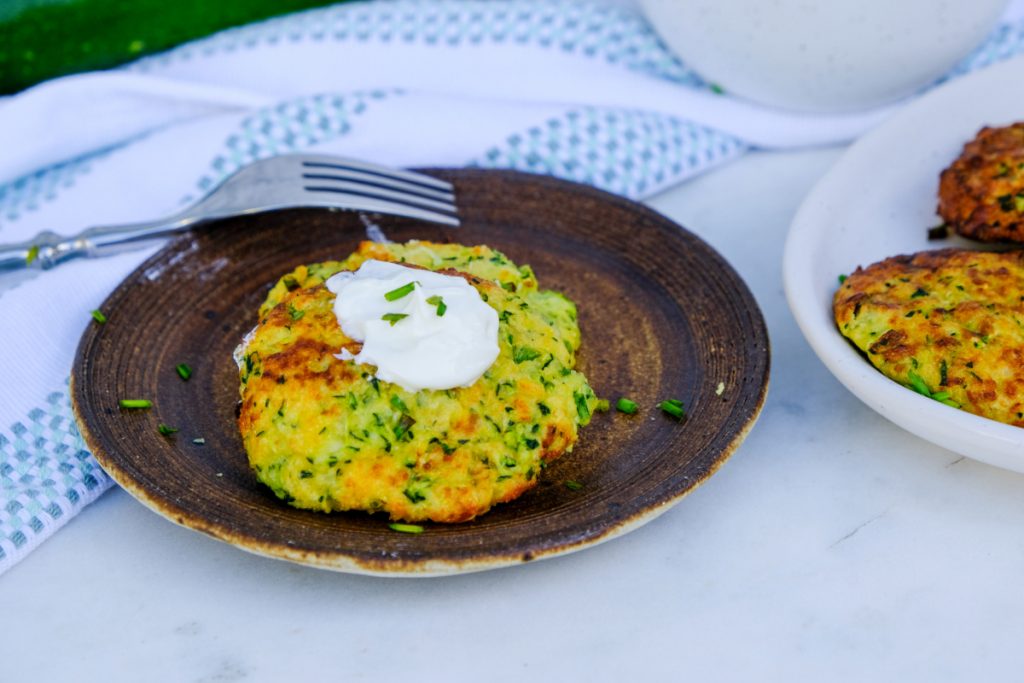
<point>42,39</point>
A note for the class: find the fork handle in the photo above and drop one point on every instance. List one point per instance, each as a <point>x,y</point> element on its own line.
<point>49,249</point>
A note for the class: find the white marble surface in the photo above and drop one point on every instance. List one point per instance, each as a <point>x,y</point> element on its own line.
<point>832,547</point>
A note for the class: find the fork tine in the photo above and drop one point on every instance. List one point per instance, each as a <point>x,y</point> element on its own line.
<point>369,201</point>
<point>347,164</point>
<point>369,187</point>
<point>377,182</point>
<point>378,192</point>
<point>293,180</point>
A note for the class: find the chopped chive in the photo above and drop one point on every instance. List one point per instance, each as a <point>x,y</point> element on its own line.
<point>399,404</point>
<point>295,313</point>
<point>720,389</point>
<point>394,317</point>
<point>525,353</point>
<point>135,403</point>
<point>184,371</point>
<point>573,485</point>
<point>199,442</point>
<point>602,405</point>
<point>165,430</point>
<point>717,89</point>
<point>406,528</point>
<point>918,385</point>
<point>396,294</point>
<point>582,408</point>
<point>624,405</point>
<point>673,407</point>
<point>842,279</point>
<point>436,300</point>
<point>32,255</point>
<point>98,316</point>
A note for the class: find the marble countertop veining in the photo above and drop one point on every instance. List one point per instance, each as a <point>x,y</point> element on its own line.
<point>833,546</point>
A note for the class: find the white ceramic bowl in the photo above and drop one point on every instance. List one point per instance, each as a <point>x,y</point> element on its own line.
<point>878,201</point>
<point>822,55</point>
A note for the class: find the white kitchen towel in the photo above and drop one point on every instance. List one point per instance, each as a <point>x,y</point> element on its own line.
<point>574,89</point>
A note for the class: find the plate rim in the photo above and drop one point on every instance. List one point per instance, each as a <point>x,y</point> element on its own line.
<point>1003,444</point>
<point>441,566</point>
<point>420,569</point>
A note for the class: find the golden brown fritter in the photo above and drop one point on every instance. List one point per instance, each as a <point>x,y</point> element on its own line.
<point>325,434</point>
<point>981,195</point>
<point>948,324</point>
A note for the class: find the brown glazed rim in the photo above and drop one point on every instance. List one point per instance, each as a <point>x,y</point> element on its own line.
<point>662,316</point>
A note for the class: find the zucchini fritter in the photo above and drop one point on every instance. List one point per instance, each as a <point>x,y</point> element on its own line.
<point>325,434</point>
<point>981,195</point>
<point>948,323</point>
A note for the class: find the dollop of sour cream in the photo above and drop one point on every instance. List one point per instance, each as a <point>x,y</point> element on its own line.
<point>436,334</point>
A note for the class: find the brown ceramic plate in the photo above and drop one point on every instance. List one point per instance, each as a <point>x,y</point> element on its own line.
<point>662,316</point>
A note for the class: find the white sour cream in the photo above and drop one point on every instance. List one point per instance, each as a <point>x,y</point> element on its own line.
<point>422,350</point>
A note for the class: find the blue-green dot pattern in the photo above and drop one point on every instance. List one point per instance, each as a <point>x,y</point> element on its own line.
<point>46,474</point>
<point>631,153</point>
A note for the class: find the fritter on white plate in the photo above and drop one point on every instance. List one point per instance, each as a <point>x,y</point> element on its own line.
<point>981,194</point>
<point>948,324</point>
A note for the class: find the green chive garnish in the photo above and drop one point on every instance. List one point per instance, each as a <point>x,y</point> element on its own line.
<point>842,279</point>
<point>199,442</point>
<point>624,405</point>
<point>525,353</point>
<point>717,89</point>
<point>396,294</point>
<point>602,405</point>
<point>135,403</point>
<point>573,485</point>
<point>32,255</point>
<point>918,385</point>
<point>439,302</point>
<point>98,316</point>
<point>394,317</point>
<point>184,371</point>
<point>406,528</point>
<point>165,430</point>
<point>674,408</point>
<point>399,404</point>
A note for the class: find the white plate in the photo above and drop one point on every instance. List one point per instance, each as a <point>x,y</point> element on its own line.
<point>878,201</point>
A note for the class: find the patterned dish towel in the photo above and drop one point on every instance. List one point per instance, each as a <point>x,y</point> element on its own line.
<point>578,90</point>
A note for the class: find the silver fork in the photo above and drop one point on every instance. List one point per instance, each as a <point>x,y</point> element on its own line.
<point>289,181</point>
